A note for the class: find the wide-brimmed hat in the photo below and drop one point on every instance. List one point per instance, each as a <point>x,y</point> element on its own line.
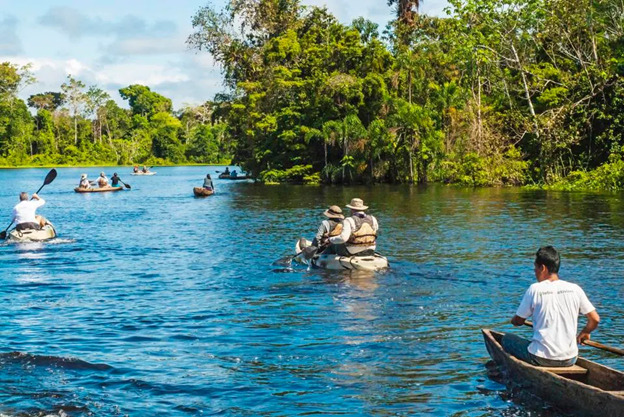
<point>357,204</point>
<point>83,176</point>
<point>334,212</point>
<point>102,174</point>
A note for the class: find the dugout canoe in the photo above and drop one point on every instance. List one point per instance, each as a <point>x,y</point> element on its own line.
<point>585,389</point>
<point>97,190</point>
<point>238,177</point>
<point>202,192</point>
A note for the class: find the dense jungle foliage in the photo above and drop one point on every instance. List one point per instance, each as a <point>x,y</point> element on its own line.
<point>498,92</point>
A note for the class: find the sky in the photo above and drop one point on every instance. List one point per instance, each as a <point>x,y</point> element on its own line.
<point>116,43</point>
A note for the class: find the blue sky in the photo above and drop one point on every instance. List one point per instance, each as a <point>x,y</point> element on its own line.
<point>115,43</point>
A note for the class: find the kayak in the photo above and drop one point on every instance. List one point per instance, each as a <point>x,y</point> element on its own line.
<point>338,262</point>
<point>47,232</point>
<point>202,192</point>
<point>144,173</point>
<point>97,190</point>
<point>238,177</point>
<point>586,388</point>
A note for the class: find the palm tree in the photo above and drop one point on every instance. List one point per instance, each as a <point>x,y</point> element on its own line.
<point>406,9</point>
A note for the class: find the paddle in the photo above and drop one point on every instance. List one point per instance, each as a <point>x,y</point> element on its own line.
<point>127,185</point>
<point>48,179</point>
<point>592,343</point>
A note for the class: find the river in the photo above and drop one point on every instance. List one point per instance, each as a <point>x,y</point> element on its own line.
<point>153,302</point>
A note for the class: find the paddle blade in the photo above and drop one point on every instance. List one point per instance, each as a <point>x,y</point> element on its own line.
<point>50,177</point>
<point>127,186</point>
<point>3,235</point>
<point>284,261</point>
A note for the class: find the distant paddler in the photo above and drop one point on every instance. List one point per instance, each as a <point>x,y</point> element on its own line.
<point>555,305</point>
<point>115,180</point>
<point>359,233</point>
<point>208,185</point>
<point>24,213</point>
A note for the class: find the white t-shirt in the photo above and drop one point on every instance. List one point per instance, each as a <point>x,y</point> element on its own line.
<point>24,211</point>
<point>555,306</point>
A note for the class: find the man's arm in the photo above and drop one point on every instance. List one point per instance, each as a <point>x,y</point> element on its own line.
<point>592,323</point>
<point>518,321</point>
<point>344,236</point>
<point>319,234</point>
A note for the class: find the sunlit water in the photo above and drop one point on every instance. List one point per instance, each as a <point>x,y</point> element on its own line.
<point>153,302</point>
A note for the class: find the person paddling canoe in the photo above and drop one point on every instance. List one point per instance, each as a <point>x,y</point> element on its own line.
<point>24,213</point>
<point>208,183</point>
<point>102,181</point>
<point>555,305</point>
<point>115,180</point>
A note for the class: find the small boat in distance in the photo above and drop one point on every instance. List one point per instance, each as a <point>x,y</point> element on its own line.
<point>143,173</point>
<point>586,389</point>
<point>202,192</point>
<point>237,177</point>
<point>97,190</point>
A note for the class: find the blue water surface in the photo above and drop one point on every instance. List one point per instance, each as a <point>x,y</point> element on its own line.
<point>154,302</point>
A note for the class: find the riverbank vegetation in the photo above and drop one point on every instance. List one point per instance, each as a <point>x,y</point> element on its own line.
<point>506,92</point>
<point>84,126</point>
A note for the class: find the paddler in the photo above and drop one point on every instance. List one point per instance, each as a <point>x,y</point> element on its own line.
<point>84,182</point>
<point>24,213</point>
<point>102,181</point>
<point>555,305</point>
<point>115,180</point>
<point>359,232</point>
<point>208,183</point>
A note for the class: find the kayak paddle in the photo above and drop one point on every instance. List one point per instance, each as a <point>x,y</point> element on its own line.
<point>592,343</point>
<point>48,179</point>
<point>127,185</point>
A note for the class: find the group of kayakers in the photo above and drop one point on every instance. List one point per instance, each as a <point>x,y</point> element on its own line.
<point>144,170</point>
<point>354,235</point>
<point>102,181</point>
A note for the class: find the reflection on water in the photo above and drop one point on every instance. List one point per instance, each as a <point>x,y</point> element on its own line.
<point>151,302</point>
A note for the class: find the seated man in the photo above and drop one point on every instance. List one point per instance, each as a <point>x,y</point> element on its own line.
<point>84,182</point>
<point>145,170</point>
<point>136,168</point>
<point>227,171</point>
<point>330,227</point>
<point>555,306</point>
<point>24,212</point>
<point>102,181</point>
<point>233,174</point>
<point>115,180</point>
<point>359,233</point>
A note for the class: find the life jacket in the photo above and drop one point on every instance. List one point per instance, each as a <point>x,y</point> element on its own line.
<point>335,228</point>
<point>363,233</point>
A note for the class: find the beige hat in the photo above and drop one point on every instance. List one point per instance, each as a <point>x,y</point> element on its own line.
<point>357,204</point>
<point>83,176</point>
<point>334,212</point>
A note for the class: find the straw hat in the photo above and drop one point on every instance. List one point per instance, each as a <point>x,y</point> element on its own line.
<point>334,212</point>
<point>357,204</point>
<point>83,176</point>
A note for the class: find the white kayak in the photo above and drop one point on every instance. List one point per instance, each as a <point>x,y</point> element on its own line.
<point>338,262</point>
<point>47,232</point>
<point>144,173</point>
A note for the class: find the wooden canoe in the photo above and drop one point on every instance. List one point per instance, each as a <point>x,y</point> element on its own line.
<point>585,389</point>
<point>202,192</point>
<point>238,177</point>
<point>97,190</point>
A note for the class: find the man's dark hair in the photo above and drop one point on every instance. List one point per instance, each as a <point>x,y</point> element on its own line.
<point>549,257</point>
<point>23,196</point>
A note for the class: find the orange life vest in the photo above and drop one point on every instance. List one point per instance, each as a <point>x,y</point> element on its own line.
<point>335,228</point>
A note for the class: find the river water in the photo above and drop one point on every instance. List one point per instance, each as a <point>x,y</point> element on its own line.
<point>153,302</point>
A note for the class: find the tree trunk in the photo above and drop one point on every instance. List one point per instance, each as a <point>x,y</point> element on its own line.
<point>527,93</point>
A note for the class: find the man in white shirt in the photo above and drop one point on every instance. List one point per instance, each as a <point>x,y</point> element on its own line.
<point>24,212</point>
<point>555,306</point>
<point>359,233</point>
<point>102,181</point>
